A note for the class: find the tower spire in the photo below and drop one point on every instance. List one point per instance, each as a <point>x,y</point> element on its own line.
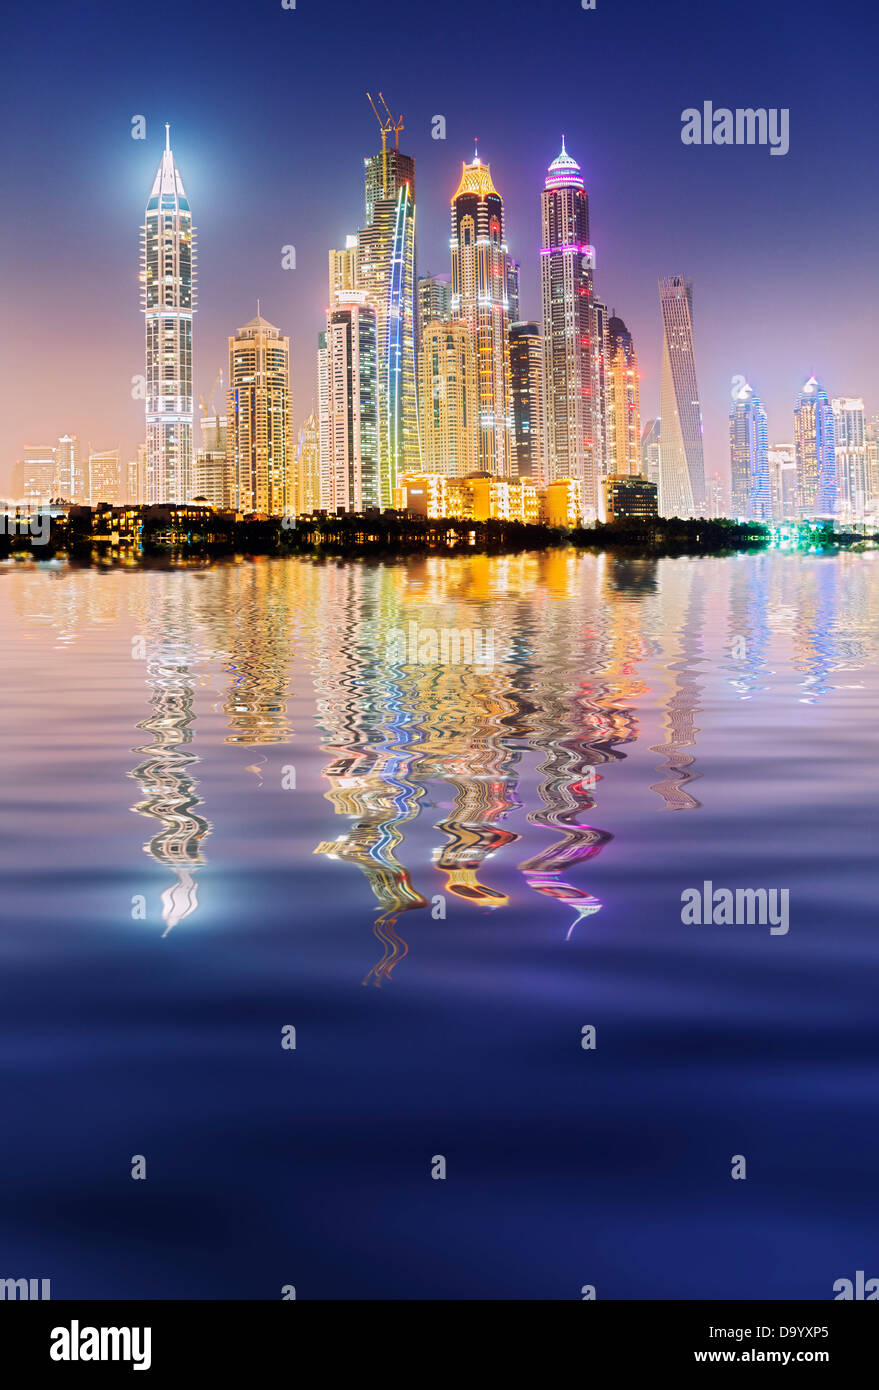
<point>167,136</point>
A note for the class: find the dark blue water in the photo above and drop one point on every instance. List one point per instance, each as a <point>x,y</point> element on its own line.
<point>229,808</point>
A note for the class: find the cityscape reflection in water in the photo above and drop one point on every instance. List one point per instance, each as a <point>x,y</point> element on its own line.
<point>242,799</point>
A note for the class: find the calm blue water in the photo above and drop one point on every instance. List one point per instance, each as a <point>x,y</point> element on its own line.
<point>229,807</point>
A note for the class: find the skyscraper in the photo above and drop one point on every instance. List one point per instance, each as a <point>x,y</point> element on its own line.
<point>623,409</point>
<point>513,271</point>
<point>815,453</point>
<point>258,429</point>
<point>353,403</point>
<point>566,261</point>
<point>210,473</point>
<point>386,271</point>
<point>307,496</point>
<point>323,421</point>
<point>448,398</point>
<point>38,473</point>
<point>526,376</point>
<point>479,296</point>
<point>600,392</point>
<point>783,482</point>
<point>682,464</point>
<point>751,493</point>
<point>105,478</point>
<point>434,301</point>
<point>850,449</point>
<point>168,303</point>
<point>650,445</point>
<point>69,472</point>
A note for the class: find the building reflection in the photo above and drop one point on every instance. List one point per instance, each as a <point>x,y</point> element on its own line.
<point>683,616</point>
<point>169,791</point>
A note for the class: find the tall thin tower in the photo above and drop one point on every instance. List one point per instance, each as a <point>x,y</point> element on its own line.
<point>566,265</point>
<point>167,259</point>
<point>386,271</point>
<point>480,297</point>
<point>682,463</point>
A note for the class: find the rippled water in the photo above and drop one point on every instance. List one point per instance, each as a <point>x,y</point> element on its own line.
<point>232,804</point>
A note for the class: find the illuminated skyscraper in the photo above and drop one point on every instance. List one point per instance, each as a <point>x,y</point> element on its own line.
<point>479,296</point>
<point>434,301</point>
<point>526,375</point>
<point>682,464</point>
<point>168,302</point>
<point>513,269</point>
<point>323,419</point>
<point>623,409</point>
<point>343,269</point>
<point>210,472</point>
<point>850,448</point>
<point>69,472</point>
<point>307,497</point>
<point>783,482</point>
<point>751,493</point>
<point>38,473</point>
<point>134,475</point>
<point>258,429</point>
<point>600,390</point>
<point>650,445</point>
<point>447,373</point>
<point>566,264</point>
<point>386,271</point>
<point>105,478</point>
<point>814,445</point>
<point>353,403</point>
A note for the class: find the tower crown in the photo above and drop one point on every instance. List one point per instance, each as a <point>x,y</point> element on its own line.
<point>564,172</point>
<point>167,183</point>
<point>475,178</point>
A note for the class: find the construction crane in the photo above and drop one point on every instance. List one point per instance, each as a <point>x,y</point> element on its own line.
<point>386,125</point>
<point>207,401</point>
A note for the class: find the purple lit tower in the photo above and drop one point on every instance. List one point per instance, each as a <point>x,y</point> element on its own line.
<point>567,264</point>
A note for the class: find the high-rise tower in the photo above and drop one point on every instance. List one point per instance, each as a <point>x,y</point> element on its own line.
<point>749,458</point>
<point>526,373</point>
<point>682,463</point>
<point>168,301</point>
<point>623,412</point>
<point>566,265</point>
<point>814,441</point>
<point>850,448</point>
<point>258,428</point>
<point>480,297</point>
<point>386,271</point>
<point>448,398</point>
<point>352,403</point>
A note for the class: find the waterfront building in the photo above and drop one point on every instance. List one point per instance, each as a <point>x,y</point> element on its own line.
<point>750,488</point>
<point>815,451</point>
<point>168,302</point>
<point>480,298</point>
<point>448,398</point>
<point>526,383</point>
<point>623,408</point>
<point>258,428</point>
<point>682,463</point>
<point>569,327</point>
<point>629,496</point>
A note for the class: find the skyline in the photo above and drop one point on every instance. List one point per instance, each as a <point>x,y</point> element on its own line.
<point>681,214</point>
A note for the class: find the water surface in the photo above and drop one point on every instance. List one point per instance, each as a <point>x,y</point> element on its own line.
<point>230,807</point>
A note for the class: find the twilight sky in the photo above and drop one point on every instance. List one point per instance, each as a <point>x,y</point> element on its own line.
<point>270,124</point>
